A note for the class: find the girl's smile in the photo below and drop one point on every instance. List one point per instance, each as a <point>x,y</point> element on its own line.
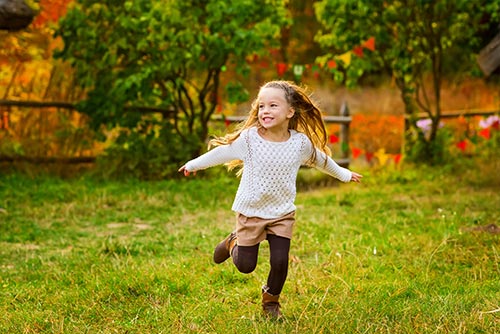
<point>274,111</point>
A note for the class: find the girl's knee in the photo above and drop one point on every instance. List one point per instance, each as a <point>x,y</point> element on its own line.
<point>246,268</point>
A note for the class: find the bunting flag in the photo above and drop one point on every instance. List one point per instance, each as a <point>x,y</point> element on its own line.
<point>485,133</point>
<point>344,147</point>
<point>369,44</point>
<point>346,58</point>
<point>281,69</point>
<point>381,156</point>
<point>331,64</point>
<point>322,63</point>
<point>298,70</point>
<point>358,51</point>
<point>462,145</point>
<point>333,139</point>
<point>356,152</point>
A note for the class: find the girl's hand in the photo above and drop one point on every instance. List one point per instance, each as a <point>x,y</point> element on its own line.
<point>356,177</point>
<point>185,171</point>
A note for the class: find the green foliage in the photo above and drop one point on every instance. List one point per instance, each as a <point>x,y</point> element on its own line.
<point>416,41</point>
<point>166,54</point>
<point>435,152</point>
<point>146,152</point>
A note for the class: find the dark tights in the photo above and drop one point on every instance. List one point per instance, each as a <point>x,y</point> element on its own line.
<point>245,259</point>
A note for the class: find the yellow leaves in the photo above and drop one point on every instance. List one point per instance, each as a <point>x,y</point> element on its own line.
<point>35,5</point>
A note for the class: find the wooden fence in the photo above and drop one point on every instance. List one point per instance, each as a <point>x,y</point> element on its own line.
<point>6,106</point>
<point>344,119</point>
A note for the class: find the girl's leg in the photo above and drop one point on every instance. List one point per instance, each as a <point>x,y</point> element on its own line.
<point>245,258</point>
<point>279,248</point>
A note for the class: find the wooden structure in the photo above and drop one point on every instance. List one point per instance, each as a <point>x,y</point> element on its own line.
<point>344,120</point>
<point>489,57</point>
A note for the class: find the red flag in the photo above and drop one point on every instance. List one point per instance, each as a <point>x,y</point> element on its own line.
<point>333,139</point>
<point>462,145</point>
<point>331,64</point>
<point>370,44</point>
<point>356,152</point>
<point>281,68</point>
<point>485,133</point>
<point>358,51</point>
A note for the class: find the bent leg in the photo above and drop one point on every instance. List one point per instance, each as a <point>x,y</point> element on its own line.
<point>245,258</point>
<point>279,248</point>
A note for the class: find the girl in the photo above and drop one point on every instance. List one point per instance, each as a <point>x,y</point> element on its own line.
<point>284,130</point>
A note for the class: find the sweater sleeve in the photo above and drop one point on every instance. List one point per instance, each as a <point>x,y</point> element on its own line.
<point>330,167</point>
<point>218,156</point>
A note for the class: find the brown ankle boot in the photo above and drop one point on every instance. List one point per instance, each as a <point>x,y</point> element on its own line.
<point>270,304</point>
<point>223,250</point>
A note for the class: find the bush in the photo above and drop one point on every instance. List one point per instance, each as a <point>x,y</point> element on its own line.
<point>148,152</point>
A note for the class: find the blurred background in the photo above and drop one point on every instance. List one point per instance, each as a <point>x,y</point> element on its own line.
<point>137,87</point>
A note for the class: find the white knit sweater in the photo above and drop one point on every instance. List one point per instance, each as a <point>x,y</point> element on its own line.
<point>268,184</point>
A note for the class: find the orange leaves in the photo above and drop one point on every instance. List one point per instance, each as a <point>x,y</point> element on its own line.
<point>50,12</point>
<point>373,132</point>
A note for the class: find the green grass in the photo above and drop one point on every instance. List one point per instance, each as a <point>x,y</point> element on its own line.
<point>399,253</point>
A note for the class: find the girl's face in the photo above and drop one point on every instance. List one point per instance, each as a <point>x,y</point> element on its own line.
<point>274,111</point>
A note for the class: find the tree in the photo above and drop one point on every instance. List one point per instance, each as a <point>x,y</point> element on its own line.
<point>418,42</point>
<point>166,54</point>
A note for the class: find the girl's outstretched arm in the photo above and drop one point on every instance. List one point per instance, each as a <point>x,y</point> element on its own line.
<point>217,156</point>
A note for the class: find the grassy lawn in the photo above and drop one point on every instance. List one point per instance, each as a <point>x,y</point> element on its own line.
<point>404,252</point>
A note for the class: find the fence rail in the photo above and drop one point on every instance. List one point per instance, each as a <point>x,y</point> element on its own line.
<point>344,120</point>
<point>460,113</point>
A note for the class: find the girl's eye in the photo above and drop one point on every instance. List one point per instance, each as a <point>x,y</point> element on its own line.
<point>274,105</point>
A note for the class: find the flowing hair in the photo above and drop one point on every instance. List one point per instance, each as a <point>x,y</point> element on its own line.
<point>307,119</point>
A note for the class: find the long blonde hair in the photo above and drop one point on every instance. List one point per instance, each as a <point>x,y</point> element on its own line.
<point>308,119</point>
